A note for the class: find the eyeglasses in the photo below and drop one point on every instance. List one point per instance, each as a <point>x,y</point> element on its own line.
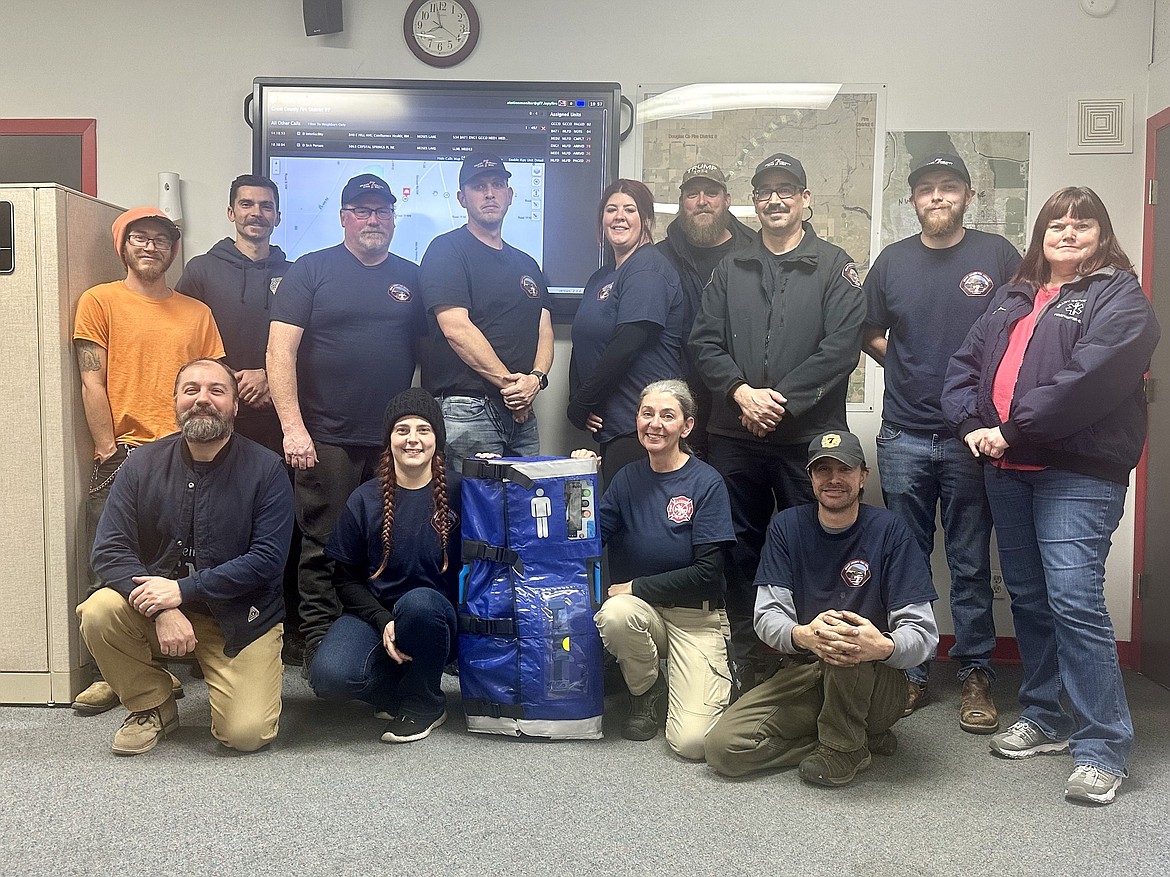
<point>786,192</point>
<point>162,244</point>
<point>366,212</point>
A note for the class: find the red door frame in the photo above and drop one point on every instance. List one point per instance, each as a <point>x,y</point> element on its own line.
<point>86,128</point>
<point>1153,125</point>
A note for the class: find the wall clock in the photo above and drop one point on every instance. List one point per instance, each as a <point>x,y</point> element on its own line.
<point>441,33</point>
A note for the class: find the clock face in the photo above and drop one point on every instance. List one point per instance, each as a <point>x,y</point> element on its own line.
<point>441,32</point>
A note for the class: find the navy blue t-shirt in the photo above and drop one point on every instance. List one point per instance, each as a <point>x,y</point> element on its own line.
<point>358,351</point>
<point>651,521</point>
<point>645,289</point>
<point>928,300</point>
<point>872,568</point>
<point>415,551</point>
<point>504,292</point>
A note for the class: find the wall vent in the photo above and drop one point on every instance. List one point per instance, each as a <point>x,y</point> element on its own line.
<point>1101,122</point>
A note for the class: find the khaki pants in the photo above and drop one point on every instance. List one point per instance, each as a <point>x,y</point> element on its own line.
<point>693,642</point>
<point>780,721</point>
<point>244,691</point>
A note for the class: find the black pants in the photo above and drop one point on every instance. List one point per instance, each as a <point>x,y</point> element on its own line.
<point>321,494</point>
<point>761,480</point>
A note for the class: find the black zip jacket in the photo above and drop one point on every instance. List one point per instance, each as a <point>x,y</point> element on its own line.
<point>799,334</point>
<point>240,510</point>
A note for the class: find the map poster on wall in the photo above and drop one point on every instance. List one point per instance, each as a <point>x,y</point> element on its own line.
<point>837,144</point>
<point>997,162</point>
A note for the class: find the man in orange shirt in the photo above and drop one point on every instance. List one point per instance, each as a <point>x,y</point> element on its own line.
<point>131,338</point>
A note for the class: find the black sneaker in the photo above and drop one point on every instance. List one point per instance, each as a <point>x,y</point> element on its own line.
<point>406,730</point>
<point>307,661</point>
<point>647,711</point>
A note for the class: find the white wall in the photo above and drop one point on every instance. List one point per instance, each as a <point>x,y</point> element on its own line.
<point>166,82</point>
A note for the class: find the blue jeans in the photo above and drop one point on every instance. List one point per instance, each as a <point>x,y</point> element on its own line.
<point>919,472</point>
<point>1053,528</point>
<point>351,663</point>
<point>476,425</point>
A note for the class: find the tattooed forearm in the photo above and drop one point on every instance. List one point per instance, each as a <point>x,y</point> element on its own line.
<point>89,356</point>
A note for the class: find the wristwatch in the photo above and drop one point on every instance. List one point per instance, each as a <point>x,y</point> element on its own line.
<point>542,376</point>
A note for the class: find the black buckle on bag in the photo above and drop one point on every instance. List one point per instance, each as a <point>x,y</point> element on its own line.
<point>474,549</point>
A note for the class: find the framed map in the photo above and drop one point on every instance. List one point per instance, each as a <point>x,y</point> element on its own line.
<point>836,141</point>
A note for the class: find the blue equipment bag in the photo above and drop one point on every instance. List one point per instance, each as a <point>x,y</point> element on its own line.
<point>529,652</point>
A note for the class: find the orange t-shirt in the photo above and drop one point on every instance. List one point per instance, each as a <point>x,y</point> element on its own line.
<point>146,341</point>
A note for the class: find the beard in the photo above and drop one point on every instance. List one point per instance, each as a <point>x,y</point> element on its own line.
<point>149,270</point>
<point>705,229</point>
<point>938,223</point>
<point>203,430</point>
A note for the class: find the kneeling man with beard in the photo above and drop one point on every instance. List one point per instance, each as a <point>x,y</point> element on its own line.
<point>190,550</point>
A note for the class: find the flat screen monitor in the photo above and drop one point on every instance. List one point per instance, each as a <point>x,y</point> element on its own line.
<point>559,140</point>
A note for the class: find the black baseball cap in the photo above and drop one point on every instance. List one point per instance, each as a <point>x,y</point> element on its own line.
<point>781,162</point>
<point>366,184</point>
<point>838,444</point>
<point>480,162</point>
<point>940,161</point>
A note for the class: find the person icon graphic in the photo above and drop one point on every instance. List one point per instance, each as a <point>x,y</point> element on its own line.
<point>541,510</point>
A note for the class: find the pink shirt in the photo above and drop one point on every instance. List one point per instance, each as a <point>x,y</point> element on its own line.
<point>1003,388</point>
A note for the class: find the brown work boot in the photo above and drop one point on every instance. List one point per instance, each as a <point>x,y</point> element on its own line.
<point>96,699</point>
<point>829,767</point>
<point>142,730</point>
<point>977,713</point>
<point>916,696</point>
<point>884,743</point>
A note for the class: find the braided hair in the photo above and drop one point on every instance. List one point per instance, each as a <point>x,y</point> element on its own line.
<point>440,518</point>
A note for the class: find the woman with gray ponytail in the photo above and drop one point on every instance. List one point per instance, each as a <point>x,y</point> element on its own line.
<point>666,521</point>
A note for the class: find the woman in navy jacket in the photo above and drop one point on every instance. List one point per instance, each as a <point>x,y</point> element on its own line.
<point>1047,389</point>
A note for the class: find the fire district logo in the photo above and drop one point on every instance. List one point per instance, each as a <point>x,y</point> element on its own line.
<point>849,272</point>
<point>398,292</point>
<point>529,286</point>
<point>680,509</point>
<point>975,284</point>
<point>603,293</point>
<point>855,573</point>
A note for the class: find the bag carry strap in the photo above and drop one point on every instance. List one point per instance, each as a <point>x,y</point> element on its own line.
<point>487,626</point>
<point>477,707</point>
<point>494,470</point>
<point>475,549</point>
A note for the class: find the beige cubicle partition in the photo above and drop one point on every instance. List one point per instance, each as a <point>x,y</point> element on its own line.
<point>61,246</point>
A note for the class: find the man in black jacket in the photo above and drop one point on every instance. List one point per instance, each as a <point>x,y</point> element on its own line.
<point>776,337</point>
<point>190,549</point>
<point>696,241</point>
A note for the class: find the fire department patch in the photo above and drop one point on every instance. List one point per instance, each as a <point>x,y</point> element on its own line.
<point>855,573</point>
<point>976,283</point>
<point>529,286</point>
<point>849,272</point>
<point>398,292</point>
<point>603,293</point>
<point>274,284</point>
<point>680,509</point>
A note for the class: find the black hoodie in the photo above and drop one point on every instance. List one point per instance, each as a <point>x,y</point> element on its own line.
<point>239,293</point>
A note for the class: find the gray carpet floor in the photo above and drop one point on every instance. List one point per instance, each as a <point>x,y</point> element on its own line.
<point>329,798</point>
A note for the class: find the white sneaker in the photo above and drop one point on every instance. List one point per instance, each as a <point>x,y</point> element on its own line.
<point>1088,783</point>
